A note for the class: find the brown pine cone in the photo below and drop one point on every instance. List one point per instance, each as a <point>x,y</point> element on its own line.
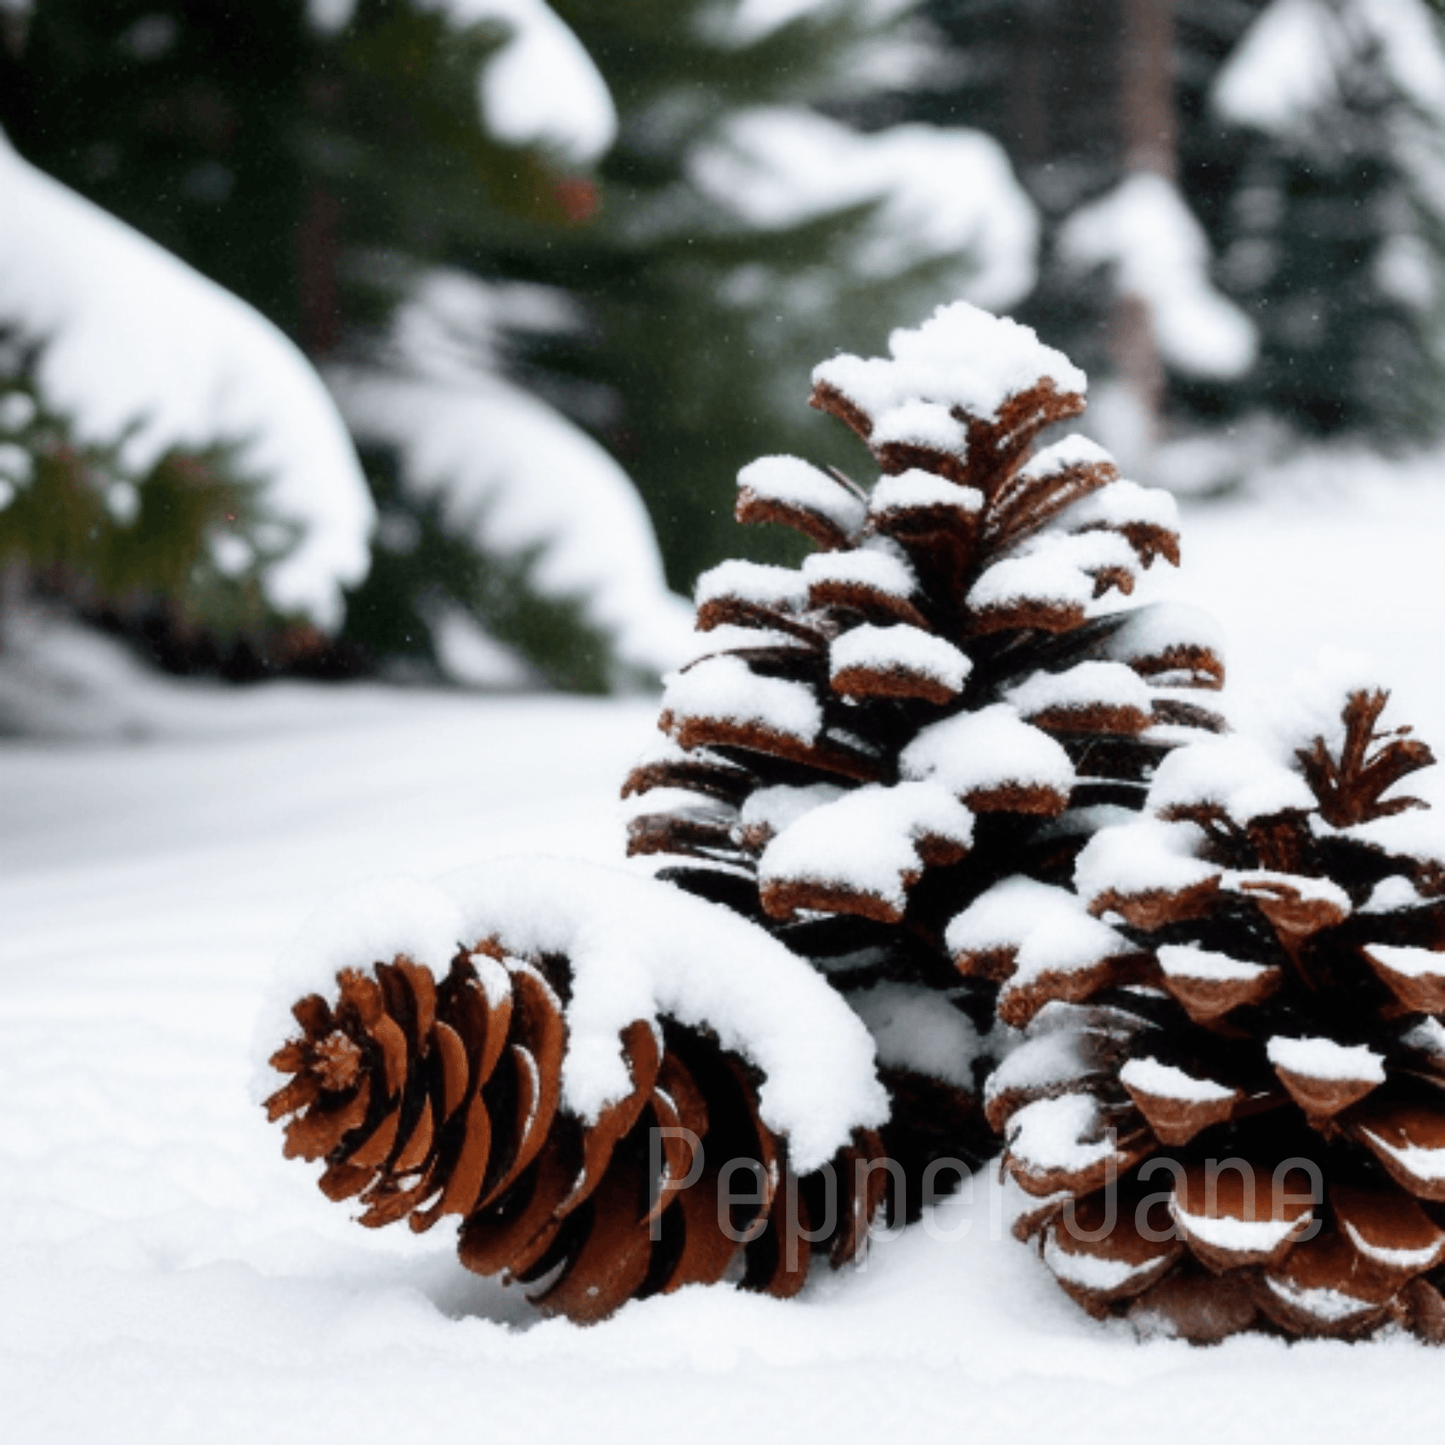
<point>946,693</point>
<point>873,739</point>
<point>431,1097</point>
<point>1230,1100</point>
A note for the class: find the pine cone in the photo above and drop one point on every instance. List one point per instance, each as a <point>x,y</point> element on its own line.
<point>947,691</point>
<point>429,1098</point>
<point>1230,1103</point>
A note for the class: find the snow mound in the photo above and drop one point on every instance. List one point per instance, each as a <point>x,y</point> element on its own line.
<point>135,336</point>
<point>638,949</point>
<point>541,88</point>
<point>513,475</point>
<point>941,193</point>
<point>1292,59</point>
<point>1145,233</point>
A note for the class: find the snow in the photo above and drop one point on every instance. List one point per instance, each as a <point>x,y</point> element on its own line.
<point>1414,834</point>
<point>1092,1271</point>
<point>1289,63</point>
<point>1321,1058</point>
<point>1046,928</point>
<point>137,337</point>
<point>1074,450</point>
<point>776,808</point>
<point>1051,1055</point>
<point>1085,685</point>
<point>1428,1036</point>
<point>1281,69</point>
<point>1051,1134</point>
<point>639,949</point>
<point>1390,894</point>
<point>1266,881</point>
<point>917,1028</point>
<point>1046,575</point>
<point>541,88</point>
<point>514,476</point>
<point>1005,915</point>
<point>867,840</point>
<point>1331,1305</point>
<point>944,195</point>
<point>726,687</point>
<point>900,646</point>
<point>961,356</point>
<point>916,489</point>
<point>1415,1160</point>
<point>1140,858</point>
<point>1165,1081</point>
<point>168,1275</point>
<point>1122,504</point>
<point>1235,774</point>
<point>1152,630</point>
<point>922,424</point>
<point>780,588</point>
<point>987,749</point>
<point>880,567</point>
<point>1187,960</point>
<point>1144,232</point>
<point>794,482</point>
<point>1415,1261</point>
<point>729,636</point>
<point>1229,1232</point>
<point>1411,962</point>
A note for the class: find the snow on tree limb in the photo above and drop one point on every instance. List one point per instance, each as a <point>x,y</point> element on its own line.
<point>133,336</point>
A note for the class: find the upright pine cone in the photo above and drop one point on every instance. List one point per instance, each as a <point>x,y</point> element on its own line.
<point>944,694</point>
<point>430,1096</point>
<point>1230,1103</point>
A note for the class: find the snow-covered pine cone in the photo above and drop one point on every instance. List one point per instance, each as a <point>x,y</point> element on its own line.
<point>947,689</point>
<point>433,1092</point>
<point>1242,1044</point>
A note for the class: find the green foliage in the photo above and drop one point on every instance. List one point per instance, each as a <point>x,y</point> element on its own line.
<point>186,537</point>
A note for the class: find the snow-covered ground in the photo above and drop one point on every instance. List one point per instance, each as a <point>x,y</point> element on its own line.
<point>168,1277</point>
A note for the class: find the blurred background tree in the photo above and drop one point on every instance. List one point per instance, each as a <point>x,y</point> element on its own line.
<point>534,290</point>
<point>666,284</point>
<point>1302,137</point>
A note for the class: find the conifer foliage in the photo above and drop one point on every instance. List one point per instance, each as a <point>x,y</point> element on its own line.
<point>1233,1111</point>
<point>941,696</point>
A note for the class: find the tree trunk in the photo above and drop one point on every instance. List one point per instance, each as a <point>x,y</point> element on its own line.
<point>1147,122</point>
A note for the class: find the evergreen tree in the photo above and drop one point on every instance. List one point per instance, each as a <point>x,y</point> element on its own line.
<point>270,156</point>
<point>321,175</point>
<point>1305,215</point>
<point>171,553</point>
<point>1325,209</point>
<point>701,326</point>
